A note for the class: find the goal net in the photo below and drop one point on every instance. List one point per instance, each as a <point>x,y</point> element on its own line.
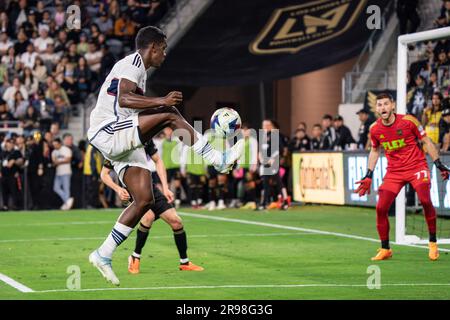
<point>411,227</point>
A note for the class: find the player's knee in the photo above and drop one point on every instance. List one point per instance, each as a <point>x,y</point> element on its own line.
<point>145,203</point>
<point>176,223</point>
<point>148,219</point>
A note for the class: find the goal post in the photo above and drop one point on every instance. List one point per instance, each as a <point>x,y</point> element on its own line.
<point>402,69</point>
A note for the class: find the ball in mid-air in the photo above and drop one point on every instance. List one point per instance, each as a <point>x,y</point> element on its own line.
<point>225,122</point>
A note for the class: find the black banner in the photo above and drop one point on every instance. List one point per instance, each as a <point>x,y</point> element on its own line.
<point>245,42</point>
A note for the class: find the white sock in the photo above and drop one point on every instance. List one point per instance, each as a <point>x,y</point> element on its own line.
<point>119,234</point>
<point>204,149</point>
<point>184,260</point>
<point>136,255</point>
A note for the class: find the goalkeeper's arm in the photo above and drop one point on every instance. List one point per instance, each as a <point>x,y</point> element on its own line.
<point>366,182</point>
<point>431,149</point>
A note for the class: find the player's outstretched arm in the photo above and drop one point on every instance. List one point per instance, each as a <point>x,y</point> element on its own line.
<point>106,178</point>
<point>434,154</point>
<point>366,183</point>
<point>129,99</point>
<point>162,174</point>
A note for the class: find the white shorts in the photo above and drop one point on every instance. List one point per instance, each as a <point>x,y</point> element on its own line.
<point>117,140</point>
<point>135,158</point>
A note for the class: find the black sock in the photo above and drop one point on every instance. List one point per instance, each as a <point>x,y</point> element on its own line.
<point>385,244</point>
<point>181,242</point>
<point>141,238</point>
<point>433,237</point>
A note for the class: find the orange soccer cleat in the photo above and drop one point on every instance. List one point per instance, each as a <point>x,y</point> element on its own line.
<point>433,253</point>
<point>383,254</point>
<point>190,267</point>
<point>133,264</point>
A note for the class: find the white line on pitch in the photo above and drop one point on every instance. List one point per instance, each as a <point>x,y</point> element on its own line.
<point>279,226</point>
<point>13,283</point>
<point>273,234</point>
<point>250,287</point>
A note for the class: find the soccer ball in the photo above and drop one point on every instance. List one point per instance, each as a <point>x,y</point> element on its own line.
<point>225,122</point>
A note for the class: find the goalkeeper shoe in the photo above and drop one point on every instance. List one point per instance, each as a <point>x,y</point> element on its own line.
<point>383,254</point>
<point>133,264</point>
<point>104,265</point>
<point>230,157</point>
<point>190,267</point>
<point>433,253</point>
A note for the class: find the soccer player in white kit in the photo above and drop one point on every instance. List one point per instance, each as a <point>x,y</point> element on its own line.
<point>124,119</point>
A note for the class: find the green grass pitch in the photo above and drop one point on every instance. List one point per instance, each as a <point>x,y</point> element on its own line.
<point>247,255</point>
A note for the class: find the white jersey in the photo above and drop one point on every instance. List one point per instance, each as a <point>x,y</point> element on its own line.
<point>107,110</point>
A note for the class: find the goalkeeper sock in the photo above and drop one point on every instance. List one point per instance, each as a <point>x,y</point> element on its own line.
<point>141,238</point>
<point>386,198</point>
<point>385,244</point>
<point>119,234</point>
<point>204,149</point>
<point>181,243</point>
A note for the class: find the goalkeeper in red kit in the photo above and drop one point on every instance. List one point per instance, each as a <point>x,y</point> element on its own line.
<point>401,137</point>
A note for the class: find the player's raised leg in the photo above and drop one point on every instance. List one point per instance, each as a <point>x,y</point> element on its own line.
<point>152,121</point>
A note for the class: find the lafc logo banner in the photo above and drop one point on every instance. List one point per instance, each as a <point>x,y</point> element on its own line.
<point>291,29</point>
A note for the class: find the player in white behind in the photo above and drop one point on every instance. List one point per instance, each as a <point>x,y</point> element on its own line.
<point>124,119</point>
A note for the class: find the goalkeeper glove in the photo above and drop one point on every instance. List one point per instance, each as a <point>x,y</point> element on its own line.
<point>365,184</point>
<point>445,171</point>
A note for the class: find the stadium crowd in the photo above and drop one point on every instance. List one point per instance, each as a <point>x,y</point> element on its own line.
<point>48,70</point>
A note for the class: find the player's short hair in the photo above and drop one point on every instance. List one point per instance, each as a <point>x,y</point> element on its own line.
<point>57,140</point>
<point>385,95</point>
<point>148,35</point>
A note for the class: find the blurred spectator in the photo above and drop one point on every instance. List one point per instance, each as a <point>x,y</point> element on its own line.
<point>5,115</point>
<point>11,183</point>
<point>18,13</point>
<point>407,11</point>
<point>105,24</point>
<point>29,56</point>
<point>344,136</point>
<point>9,60</point>
<point>45,108</point>
<point>432,116</point>
<point>363,132</point>
<point>76,165</point>
<point>40,70</point>
<point>84,78</point>
<point>316,138</point>
<point>55,130</point>
<point>44,40</point>
<point>60,15</point>
<point>29,81</point>
<point>62,157</point>
<point>445,10</point>
<point>329,131</point>
<point>95,32</point>
<point>4,80</point>
<point>124,28</point>
<point>444,126</point>
<point>417,102</point>
<point>107,62</point>
<point>300,141</point>
<point>30,121</point>
<point>94,57</point>
<point>30,26</point>
<point>35,170</point>
<point>50,57</point>
<point>5,43</point>
<point>83,45</point>
<point>5,26</point>
<point>61,42</point>
<point>54,89</point>
<point>22,43</point>
<point>18,106</point>
<point>62,110</point>
<point>9,94</point>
